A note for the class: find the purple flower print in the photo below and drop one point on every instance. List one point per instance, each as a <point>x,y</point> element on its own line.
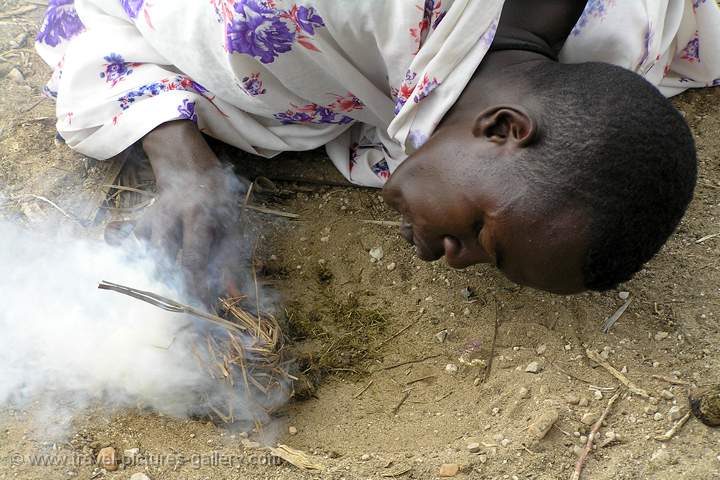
<point>259,32</point>
<point>381,169</point>
<point>132,7</point>
<point>593,9</point>
<point>425,88</point>
<point>417,138</point>
<point>312,113</point>
<point>187,111</point>
<point>253,85</point>
<point>116,69</point>
<point>306,19</point>
<point>691,52</point>
<point>61,23</point>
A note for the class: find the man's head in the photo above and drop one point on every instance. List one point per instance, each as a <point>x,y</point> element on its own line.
<point>571,180</point>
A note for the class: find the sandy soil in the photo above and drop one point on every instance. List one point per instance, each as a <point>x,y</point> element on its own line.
<point>322,261</point>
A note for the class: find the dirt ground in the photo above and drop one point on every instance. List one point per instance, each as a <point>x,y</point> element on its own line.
<point>366,420</point>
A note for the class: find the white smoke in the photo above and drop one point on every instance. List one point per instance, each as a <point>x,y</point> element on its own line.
<point>68,345</point>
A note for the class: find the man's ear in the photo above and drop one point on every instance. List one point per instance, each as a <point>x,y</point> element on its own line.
<point>505,124</point>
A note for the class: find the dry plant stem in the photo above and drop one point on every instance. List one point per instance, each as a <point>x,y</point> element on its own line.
<point>397,333</point>
<point>496,327</point>
<point>588,446</point>
<point>357,395</point>
<point>52,204</point>
<point>595,357</point>
<point>166,304</point>
<point>396,474</point>
<point>673,381</point>
<point>400,403</point>
<point>675,428</point>
<point>610,321</point>
<point>384,223</point>
<point>408,362</point>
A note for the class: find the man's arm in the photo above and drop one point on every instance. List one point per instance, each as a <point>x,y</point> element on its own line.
<point>196,207</point>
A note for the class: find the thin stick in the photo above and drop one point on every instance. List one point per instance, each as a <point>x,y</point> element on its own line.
<point>396,334</point>
<point>34,104</point>
<point>595,357</point>
<point>420,379</point>
<point>408,362</point>
<point>675,428</point>
<point>52,204</point>
<point>357,395</point>
<point>707,237</point>
<point>400,403</point>
<point>673,381</point>
<point>384,223</point>
<point>130,189</point>
<point>611,320</point>
<point>588,446</point>
<point>166,304</point>
<point>396,474</point>
<point>496,327</point>
<point>270,211</point>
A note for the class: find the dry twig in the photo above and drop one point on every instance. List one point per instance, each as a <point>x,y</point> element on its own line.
<point>496,327</point>
<point>396,408</point>
<point>18,11</point>
<point>595,357</point>
<point>357,395</point>
<point>384,223</point>
<point>588,446</point>
<point>408,362</point>
<point>611,320</point>
<point>673,381</point>
<point>675,428</point>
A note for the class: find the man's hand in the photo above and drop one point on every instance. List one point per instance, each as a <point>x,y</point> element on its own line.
<point>196,212</point>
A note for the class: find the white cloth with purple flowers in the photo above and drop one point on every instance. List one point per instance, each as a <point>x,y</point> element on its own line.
<point>369,79</point>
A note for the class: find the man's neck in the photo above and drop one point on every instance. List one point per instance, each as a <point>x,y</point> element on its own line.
<point>499,79</point>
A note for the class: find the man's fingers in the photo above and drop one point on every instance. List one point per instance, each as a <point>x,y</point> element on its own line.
<point>197,236</point>
<point>165,232</point>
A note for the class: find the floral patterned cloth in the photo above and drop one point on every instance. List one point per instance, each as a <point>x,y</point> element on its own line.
<point>369,79</point>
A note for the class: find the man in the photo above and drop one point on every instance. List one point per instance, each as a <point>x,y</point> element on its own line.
<point>567,175</point>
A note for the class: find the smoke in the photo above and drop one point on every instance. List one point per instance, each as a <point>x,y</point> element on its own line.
<point>68,345</point>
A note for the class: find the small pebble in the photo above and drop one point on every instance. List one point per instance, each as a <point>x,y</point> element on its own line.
<point>624,295</point>
<point>656,364</point>
<point>139,476</point>
<point>466,311</point>
<point>597,395</point>
<point>505,442</point>
<point>658,416</point>
<point>568,347</point>
<point>624,369</point>
<point>377,253</point>
<point>543,423</point>
<point>451,368</point>
<point>365,457</point>
<point>572,399</point>
<point>441,336</point>
<point>448,470</point>
<point>107,459</point>
<point>667,394</point>
<point>523,392</point>
<point>483,458</point>
<point>16,76</point>
<point>584,402</point>
<point>650,409</point>
<point>590,418</point>
<point>473,447</point>
<point>325,239</point>
<point>661,336</point>
<point>292,430</point>
<point>391,266</point>
<point>541,349</point>
<point>533,367</point>
<point>477,381</point>
<point>583,439</point>
<point>676,413</point>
